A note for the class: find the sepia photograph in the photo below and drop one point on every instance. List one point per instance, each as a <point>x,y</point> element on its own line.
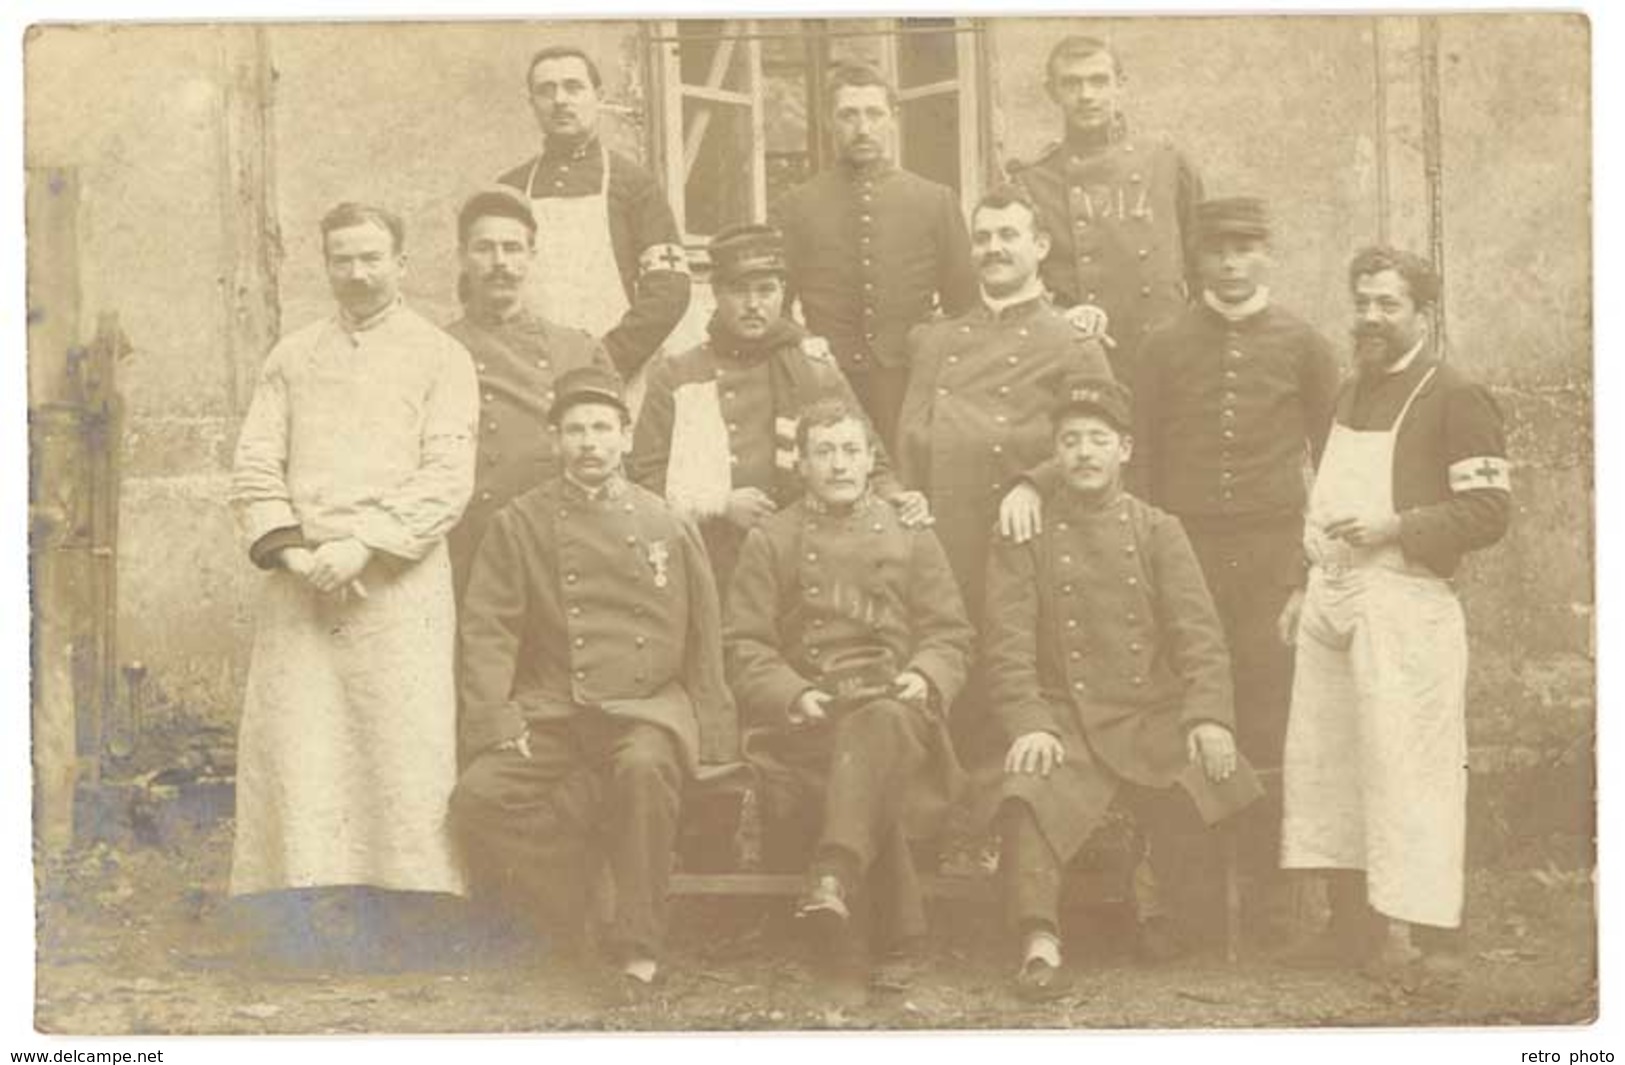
<point>810,522</point>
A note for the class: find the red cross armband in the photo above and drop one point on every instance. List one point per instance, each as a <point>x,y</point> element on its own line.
<point>1480,472</point>
<point>668,257</point>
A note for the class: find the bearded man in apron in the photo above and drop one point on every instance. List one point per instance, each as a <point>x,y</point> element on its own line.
<point>609,259</point>
<point>1414,476</point>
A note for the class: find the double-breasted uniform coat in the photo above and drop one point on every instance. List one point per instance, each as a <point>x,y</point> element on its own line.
<point>1100,630</point>
<point>1119,208</point>
<point>591,622</point>
<point>810,583</point>
<point>977,416</point>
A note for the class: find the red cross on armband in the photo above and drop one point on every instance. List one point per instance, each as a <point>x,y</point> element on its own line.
<point>668,257</point>
<point>1480,472</point>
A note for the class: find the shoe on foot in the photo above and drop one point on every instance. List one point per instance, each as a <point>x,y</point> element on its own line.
<point>824,899</point>
<point>639,981</point>
<point>1040,981</point>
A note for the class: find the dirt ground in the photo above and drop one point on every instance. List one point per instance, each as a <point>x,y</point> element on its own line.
<point>141,940</point>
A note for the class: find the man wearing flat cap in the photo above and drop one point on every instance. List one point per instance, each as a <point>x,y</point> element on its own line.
<point>873,249</point>
<point>591,682</point>
<point>1107,672</point>
<point>518,356</point>
<point>846,642</point>
<point>717,433</point>
<point>1232,404</point>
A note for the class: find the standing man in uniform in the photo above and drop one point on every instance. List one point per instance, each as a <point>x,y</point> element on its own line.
<point>517,354</point>
<point>873,249</point>
<point>1108,676</point>
<point>591,676</point>
<point>1118,205</point>
<point>980,387</point>
<point>717,435</point>
<point>356,458</point>
<point>1232,403</point>
<point>846,642</point>
<point>610,260</point>
<point>1414,477</point>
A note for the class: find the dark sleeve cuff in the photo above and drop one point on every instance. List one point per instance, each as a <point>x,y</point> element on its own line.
<point>265,550</point>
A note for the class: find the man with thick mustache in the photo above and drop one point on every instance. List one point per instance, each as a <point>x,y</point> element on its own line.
<point>1414,476</point>
<point>717,433</point>
<point>518,356</point>
<point>355,459</point>
<point>611,260</point>
<point>592,686</point>
<point>1119,205</point>
<point>979,390</point>
<point>873,249</point>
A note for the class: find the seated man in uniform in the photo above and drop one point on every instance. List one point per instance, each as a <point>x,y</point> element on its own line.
<point>717,433</point>
<point>1108,673</point>
<point>591,679</point>
<point>846,640</point>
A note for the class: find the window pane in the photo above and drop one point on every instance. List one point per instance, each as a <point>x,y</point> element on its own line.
<point>701,45</point>
<point>717,194</point>
<point>925,58</point>
<point>931,138</point>
<point>868,51</point>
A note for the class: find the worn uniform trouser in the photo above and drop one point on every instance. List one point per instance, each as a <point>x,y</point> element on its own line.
<point>837,794</point>
<point>1251,567</point>
<point>1184,854</point>
<point>595,788</point>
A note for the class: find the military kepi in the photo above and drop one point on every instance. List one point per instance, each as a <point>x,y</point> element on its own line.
<point>586,384</point>
<point>739,251</point>
<point>1234,216</point>
<point>1093,394</point>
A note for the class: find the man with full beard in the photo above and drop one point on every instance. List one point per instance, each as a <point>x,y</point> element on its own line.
<point>1414,476</point>
<point>518,356</point>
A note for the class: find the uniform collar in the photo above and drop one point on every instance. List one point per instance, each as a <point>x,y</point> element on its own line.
<point>1078,503</point>
<point>1086,143</point>
<point>1022,304</point>
<point>613,488</point>
<point>875,171</point>
<point>1256,304</point>
<point>487,317</point>
<point>1404,362</point>
<point>859,507</point>
<point>554,151</point>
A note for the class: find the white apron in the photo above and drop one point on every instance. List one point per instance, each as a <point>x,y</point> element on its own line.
<point>575,279</point>
<point>1375,771</point>
<point>347,755</point>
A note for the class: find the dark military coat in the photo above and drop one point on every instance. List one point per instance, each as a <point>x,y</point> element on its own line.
<point>593,603</point>
<point>977,415</point>
<point>1120,212</point>
<point>1100,630</point>
<point>517,362</point>
<point>873,252</point>
<point>1228,414</point>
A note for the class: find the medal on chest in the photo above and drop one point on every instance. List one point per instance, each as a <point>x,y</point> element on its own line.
<point>658,553</point>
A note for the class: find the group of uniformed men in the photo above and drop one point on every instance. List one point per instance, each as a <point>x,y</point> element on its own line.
<point>926,530</point>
